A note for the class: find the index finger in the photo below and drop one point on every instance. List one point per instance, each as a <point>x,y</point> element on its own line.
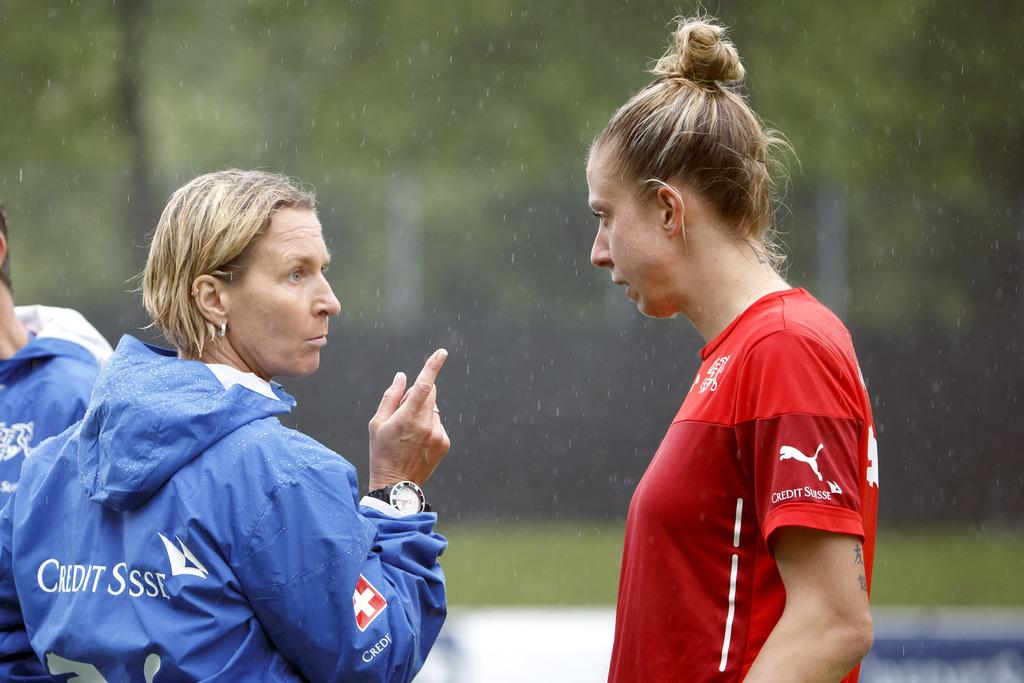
<point>425,381</point>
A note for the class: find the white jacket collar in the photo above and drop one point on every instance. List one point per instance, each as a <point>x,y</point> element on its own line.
<point>229,376</point>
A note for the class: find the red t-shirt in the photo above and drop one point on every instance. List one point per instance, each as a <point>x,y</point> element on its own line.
<point>776,431</point>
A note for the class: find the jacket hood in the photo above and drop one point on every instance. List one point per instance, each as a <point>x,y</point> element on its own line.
<point>152,413</point>
<point>55,332</point>
<point>49,324</point>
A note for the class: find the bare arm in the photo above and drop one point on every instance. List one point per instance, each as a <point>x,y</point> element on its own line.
<point>825,628</point>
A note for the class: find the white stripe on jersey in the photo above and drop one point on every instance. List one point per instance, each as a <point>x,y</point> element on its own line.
<point>732,586</point>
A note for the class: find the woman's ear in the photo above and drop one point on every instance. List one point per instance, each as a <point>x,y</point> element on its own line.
<point>209,294</point>
<point>671,210</point>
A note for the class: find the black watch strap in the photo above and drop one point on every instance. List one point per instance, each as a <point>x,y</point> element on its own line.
<point>384,494</point>
<point>381,494</point>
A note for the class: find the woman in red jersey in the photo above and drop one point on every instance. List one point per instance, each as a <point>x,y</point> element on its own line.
<point>750,538</point>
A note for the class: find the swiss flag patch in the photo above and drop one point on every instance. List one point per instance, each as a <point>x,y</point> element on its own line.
<point>367,602</point>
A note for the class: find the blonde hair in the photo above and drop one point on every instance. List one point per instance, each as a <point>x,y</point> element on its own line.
<point>691,123</point>
<point>209,227</point>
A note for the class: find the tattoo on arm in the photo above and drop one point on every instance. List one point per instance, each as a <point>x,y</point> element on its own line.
<point>858,559</point>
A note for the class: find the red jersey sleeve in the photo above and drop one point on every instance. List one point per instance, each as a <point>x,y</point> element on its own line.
<point>800,419</point>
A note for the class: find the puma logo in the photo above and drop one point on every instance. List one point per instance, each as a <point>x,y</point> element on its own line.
<point>790,453</point>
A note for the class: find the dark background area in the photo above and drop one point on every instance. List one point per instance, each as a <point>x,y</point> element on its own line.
<point>555,419</point>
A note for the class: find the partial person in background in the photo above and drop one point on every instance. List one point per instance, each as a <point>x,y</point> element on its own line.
<point>49,359</point>
<point>183,533</point>
<point>750,538</point>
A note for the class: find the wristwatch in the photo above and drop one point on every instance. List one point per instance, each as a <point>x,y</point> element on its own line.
<point>404,496</point>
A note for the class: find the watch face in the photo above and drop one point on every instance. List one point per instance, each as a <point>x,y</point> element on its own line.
<point>407,498</point>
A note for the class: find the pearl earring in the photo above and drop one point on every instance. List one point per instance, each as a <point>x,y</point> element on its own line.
<point>223,328</point>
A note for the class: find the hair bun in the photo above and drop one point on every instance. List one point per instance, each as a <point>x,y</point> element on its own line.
<point>700,52</point>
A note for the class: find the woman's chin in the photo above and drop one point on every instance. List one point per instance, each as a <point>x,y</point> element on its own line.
<point>298,370</point>
<point>308,369</point>
<point>651,310</point>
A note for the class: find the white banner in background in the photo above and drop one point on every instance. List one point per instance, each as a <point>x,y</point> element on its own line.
<point>517,645</point>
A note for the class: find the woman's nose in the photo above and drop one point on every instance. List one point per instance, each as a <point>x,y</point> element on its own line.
<point>329,303</point>
<point>599,252</point>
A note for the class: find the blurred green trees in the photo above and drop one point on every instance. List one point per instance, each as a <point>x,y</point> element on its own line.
<point>486,109</point>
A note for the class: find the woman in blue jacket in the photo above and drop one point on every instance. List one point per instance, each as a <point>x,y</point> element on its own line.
<point>181,532</point>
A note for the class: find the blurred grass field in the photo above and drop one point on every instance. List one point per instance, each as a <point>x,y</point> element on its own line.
<point>577,563</point>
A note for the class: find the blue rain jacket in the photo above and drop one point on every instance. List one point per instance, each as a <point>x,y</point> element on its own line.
<point>181,533</point>
<point>45,386</point>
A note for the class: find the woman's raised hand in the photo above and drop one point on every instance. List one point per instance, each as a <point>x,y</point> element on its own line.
<point>407,439</point>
